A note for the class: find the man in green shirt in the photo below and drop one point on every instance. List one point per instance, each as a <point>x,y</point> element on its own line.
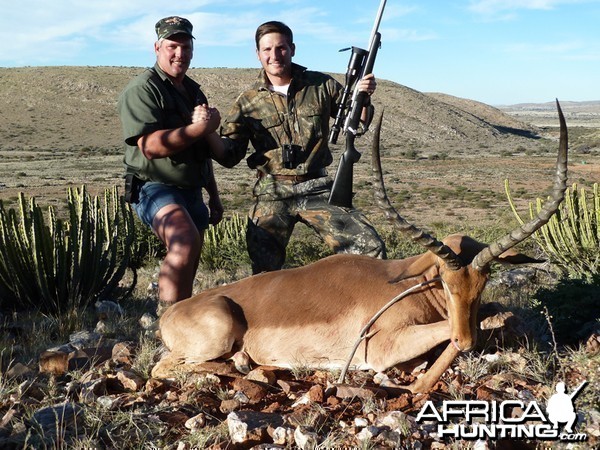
<point>285,115</point>
<point>166,124</point>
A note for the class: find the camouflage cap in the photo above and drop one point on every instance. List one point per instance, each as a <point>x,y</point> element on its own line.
<point>169,26</point>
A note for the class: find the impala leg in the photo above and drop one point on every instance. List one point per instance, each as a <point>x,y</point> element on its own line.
<point>392,348</point>
<point>168,366</point>
<point>200,329</point>
<point>428,380</point>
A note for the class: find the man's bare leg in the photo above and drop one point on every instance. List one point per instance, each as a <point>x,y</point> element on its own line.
<point>176,229</point>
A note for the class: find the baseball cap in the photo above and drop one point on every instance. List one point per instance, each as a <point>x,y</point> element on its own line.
<point>169,26</point>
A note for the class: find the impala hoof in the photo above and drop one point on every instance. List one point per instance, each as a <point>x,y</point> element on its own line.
<point>241,360</point>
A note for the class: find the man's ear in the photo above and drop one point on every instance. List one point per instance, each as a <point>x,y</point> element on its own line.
<point>293,48</point>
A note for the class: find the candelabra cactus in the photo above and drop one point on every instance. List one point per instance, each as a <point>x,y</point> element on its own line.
<point>62,264</point>
<point>571,239</point>
<point>225,244</point>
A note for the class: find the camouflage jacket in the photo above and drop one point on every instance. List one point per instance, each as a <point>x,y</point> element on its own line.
<point>270,120</point>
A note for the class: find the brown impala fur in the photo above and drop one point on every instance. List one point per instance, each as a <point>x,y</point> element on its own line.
<point>312,316</point>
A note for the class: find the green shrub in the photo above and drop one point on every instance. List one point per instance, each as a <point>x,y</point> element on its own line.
<point>62,265</point>
<point>397,245</point>
<point>572,306</point>
<point>146,246</point>
<point>304,248</point>
<point>411,154</point>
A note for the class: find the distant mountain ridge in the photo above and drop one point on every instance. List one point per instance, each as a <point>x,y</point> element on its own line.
<point>584,106</point>
<point>584,114</point>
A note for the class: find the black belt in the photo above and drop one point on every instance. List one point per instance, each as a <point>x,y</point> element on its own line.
<point>294,178</point>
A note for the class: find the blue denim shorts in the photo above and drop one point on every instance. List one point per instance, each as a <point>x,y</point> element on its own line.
<point>155,196</point>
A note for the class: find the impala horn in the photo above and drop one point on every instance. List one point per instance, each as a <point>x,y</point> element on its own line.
<point>419,236</point>
<point>485,257</point>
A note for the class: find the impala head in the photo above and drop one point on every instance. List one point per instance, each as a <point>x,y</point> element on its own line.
<point>462,287</point>
<point>464,263</point>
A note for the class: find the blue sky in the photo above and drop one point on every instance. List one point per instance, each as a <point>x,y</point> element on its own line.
<point>494,51</point>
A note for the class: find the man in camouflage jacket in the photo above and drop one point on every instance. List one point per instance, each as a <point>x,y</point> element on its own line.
<point>285,115</point>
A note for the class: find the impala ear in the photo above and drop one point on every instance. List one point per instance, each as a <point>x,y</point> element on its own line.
<point>417,265</point>
<point>513,257</point>
<point>465,247</point>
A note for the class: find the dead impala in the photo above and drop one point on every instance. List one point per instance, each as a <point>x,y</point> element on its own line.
<point>312,316</point>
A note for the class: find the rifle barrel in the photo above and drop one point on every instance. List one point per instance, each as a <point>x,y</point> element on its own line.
<point>341,190</point>
<point>377,20</point>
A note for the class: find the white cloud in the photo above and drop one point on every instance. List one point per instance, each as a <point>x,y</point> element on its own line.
<point>65,31</point>
<point>573,50</point>
<point>40,32</point>
<point>508,8</point>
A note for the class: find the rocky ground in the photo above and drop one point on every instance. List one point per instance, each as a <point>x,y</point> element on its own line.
<point>92,392</point>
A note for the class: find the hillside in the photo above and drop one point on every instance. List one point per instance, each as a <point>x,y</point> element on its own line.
<point>59,128</point>
<point>64,108</point>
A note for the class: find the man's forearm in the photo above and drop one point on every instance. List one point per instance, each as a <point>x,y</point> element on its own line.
<point>211,182</point>
<point>165,143</point>
<point>367,116</point>
<point>226,151</point>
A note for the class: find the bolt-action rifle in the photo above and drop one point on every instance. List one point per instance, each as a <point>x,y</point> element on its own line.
<point>361,64</point>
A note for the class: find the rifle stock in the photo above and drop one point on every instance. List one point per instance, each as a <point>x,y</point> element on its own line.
<point>341,190</point>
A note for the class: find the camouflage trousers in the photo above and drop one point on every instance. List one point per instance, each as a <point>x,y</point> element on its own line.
<point>280,205</point>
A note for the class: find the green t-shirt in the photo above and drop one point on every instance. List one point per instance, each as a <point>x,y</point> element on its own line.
<point>150,103</point>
